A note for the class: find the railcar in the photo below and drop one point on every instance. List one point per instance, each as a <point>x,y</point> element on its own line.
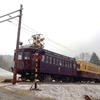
<point>58,67</point>
<point>88,72</point>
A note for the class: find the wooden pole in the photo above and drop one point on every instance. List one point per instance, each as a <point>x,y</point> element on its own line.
<point>17,47</point>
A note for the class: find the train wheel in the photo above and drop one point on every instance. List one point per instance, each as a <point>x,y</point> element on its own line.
<point>41,78</point>
<point>23,78</point>
<point>68,79</point>
<point>31,79</point>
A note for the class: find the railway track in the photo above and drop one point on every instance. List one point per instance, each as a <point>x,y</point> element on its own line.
<point>59,83</point>
<point>51,83</point>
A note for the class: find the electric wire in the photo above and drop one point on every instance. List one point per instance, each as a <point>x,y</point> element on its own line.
<point>33,31</point>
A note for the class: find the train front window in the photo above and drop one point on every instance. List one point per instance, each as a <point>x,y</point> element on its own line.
<point>26,55</point>
<point>20,55</point>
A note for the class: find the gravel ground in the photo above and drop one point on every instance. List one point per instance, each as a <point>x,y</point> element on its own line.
<point>9,95</point>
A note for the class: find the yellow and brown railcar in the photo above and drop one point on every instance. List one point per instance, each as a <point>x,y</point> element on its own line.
<point>88,72</point>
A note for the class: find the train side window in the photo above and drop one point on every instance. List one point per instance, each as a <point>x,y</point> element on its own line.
<point>70,65</point>
<point>85,67</point>
<point>47,59</point>
<point>26,55</point>
<point>20,55</point>
<point>50,60</point>
<point>54,60</point>
<point>65,63</point>
<point>60,62</point>
<point>57,61</point>
<point>43,57</point>
<point>74,65</point>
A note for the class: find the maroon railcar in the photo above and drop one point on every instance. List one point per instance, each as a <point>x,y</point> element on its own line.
<point>58,67</point>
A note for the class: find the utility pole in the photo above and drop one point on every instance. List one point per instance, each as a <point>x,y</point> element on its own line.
<point>17,47</point>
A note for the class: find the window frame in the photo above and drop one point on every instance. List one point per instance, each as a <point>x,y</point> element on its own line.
<point>26,55</point>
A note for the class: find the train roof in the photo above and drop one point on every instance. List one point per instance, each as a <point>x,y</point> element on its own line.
<point>47,51</point>
<point>80,61</point>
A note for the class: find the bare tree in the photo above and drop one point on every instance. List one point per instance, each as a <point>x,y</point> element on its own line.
<point>84,57</point>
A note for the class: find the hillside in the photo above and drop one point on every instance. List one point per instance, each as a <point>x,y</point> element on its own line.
<point>6,62</point>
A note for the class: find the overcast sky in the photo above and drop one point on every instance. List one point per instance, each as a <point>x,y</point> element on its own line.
<point>75,24</point>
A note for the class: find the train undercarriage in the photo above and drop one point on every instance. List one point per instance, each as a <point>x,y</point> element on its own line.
<point>58,78</point>
<point>30,76</point>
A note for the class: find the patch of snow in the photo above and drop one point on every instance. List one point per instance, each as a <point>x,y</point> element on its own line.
<point>57,91</point>
<point>5,72</point>
<point>60,91</point>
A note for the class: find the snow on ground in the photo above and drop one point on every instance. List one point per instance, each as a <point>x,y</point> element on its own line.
<point>61,92</point>
<point>57,91</point>
<point>6,74</point>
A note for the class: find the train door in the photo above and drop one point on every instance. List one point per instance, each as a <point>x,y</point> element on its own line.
<point>20,61</point>
<point>74,68</point>
<point>27,60</point>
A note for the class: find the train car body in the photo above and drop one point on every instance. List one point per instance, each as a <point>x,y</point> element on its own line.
<point>88,72</point>
<point>58,67</point>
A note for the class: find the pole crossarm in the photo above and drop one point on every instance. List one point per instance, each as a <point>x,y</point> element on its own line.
<point>9,13</point>
<point>10,18</point>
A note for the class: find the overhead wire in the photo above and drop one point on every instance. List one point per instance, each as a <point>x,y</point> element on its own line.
<point>34,31</point>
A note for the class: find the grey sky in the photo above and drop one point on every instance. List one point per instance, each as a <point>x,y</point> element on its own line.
<point>73,23</point>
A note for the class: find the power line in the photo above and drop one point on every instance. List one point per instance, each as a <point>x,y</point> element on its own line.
<point>23,28</point>
<point>31,30</point>
<point>60,45</point>
<point>47,38</point>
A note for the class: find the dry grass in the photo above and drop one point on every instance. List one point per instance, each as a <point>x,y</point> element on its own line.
<point>26,93</point>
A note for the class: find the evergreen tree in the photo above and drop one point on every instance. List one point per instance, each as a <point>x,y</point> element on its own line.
<point>94,59</point>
